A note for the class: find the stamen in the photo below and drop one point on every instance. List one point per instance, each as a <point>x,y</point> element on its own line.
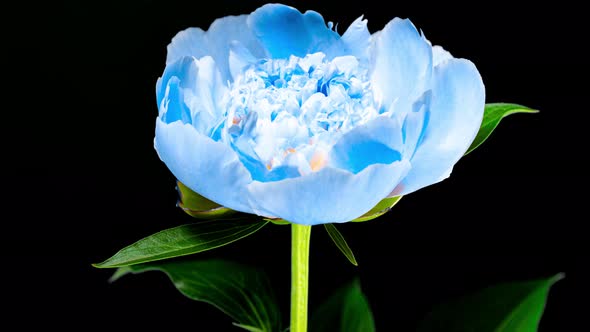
<point>318,161</point>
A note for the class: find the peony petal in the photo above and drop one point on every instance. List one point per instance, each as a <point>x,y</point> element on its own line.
<point>415,124</point>
<point>239,57</point>
<point>401,64</point>
<point>185,68</point>
<point>173,108</point>
<point>356,38</point>
<point>376,142</point>
<point>188,106</point>
<point>327,196</point>
<point>209,168</point>
<point>440,55</point>
<point>209,91</point>
<point>215,42</point>
<point>189,42</point>
<point>191,90</point>
<point>456,111</point>
<point>223,31</point>
<point>285,31</point>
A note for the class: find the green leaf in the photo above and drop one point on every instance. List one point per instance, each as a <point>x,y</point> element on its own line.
<point>492,116</point>
<point>198,206</point>
<point>241,292</point>
<point>347,310</point>
<point>380,209</point>
<point>278,221</point>
<point>340,242</point>
<point>509,307</point>
<point>184,240</point>
<point>248,327</point>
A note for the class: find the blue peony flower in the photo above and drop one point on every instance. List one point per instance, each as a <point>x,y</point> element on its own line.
<point>276,114</point>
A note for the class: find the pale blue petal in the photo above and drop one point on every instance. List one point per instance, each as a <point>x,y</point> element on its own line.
<point>440,55</point>
<point>415,123</point>
<point>239,57</point>
<point>456,112</point>
<point>356,38</point>
<point>327,196</point>
<point>285,31</point>
<point>401,64</point>
<point>207,167</point>
<point>191,90</point>
<point>189,42</point>
<point>227,29</point>
<point>174,108</point>
<point>377,142</point>
<point>258,170</point>
<point>188,94</point>
<point>185,69</point>
<point>209,90</point>
<point>215,42</point>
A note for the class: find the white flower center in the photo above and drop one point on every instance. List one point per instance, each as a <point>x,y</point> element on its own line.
<point>289,112</point>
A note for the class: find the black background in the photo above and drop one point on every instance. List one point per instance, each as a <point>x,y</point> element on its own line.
<point>83,179</point>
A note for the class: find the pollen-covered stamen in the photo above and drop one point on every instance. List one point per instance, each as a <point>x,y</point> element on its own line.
<point>318,161</point>
<point>288,112</point>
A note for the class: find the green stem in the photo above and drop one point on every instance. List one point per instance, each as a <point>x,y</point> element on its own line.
<point>299,276</point>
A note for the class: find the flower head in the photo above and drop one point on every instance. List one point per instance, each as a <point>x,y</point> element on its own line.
<point>276,114</point>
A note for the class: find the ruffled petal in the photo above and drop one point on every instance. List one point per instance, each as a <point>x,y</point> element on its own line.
<point>456,112</point>
<point>173,108</point>
<point>188,94</point>
<point>223,31</point>
<point>415,124</point>
<point>191,90</point>
<point>285,31</point>
<point>327,196</point>
<point>401,64</point>
<point>216,42</point>
<point>356,38</point>
<point>377,142</point>
<point>207,97</point>
<point>209,168</point>
<point>440,55</point>
<point>189,42</point>
<point>239,57</point>
<point>185,69</point>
